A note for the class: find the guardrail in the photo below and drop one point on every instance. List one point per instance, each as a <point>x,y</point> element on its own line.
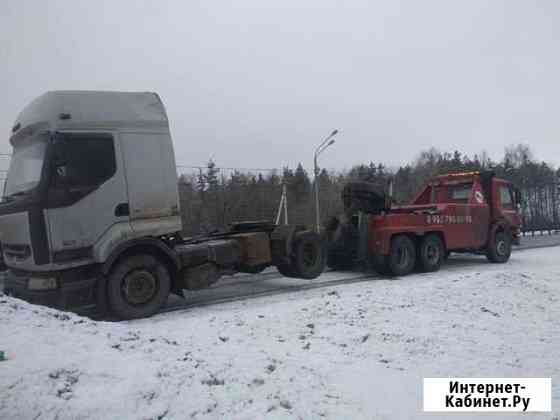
<point>541,230</point>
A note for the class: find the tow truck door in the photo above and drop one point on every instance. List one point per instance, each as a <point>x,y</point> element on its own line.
<point>505,205</point>
<point>458,217</point>
<point>480,211</point>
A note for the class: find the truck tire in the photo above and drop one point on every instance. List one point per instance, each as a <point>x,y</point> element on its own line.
<point>402,256</point>
<point>499,248</point>
<point>363,196</point>
<point>380,264</point>
<point>308,261</point>
<point>431,253</point>
<point>286,270</point>
<point>138,286</point>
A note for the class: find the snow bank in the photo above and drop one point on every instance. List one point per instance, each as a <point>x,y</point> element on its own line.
<point>351,351</point>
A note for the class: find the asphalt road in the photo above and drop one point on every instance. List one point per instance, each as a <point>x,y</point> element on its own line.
<point>270,282</point>
<point>538,241</point>
<point>243,287</point>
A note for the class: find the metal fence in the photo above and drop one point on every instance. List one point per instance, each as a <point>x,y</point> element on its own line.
<point>214,199</point>
<point>540,208</point>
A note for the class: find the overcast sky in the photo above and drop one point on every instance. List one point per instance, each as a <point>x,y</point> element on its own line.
<point>256,83</point>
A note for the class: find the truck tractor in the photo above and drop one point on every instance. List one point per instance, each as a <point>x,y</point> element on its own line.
<point>472,212</point>
<point>90,214</point>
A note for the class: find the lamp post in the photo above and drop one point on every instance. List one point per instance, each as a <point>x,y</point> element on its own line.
<point>320,149</point>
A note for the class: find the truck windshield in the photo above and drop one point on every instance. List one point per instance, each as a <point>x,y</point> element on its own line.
<point>26,165</point>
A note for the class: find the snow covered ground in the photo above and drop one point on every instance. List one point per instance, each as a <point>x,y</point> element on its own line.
<point>355,351</point>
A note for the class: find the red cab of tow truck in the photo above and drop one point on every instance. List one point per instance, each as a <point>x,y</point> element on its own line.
<point>462,212</point>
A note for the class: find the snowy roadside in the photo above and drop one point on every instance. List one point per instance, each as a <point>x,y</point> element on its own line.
<point>351,351</point>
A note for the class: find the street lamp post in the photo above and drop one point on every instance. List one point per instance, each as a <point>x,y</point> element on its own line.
<point>320,149</point>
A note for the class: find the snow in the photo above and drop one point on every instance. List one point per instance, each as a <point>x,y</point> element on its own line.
<point>356,350</point>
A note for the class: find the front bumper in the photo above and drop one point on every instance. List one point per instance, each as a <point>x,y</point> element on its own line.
<point>72,292</point>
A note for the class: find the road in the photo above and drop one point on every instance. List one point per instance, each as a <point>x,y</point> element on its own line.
<point>539,241</point>
<point>247,286</point>
<point>270,282</point>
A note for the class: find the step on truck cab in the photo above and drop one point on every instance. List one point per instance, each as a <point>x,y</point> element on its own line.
<point>90,212</point>
<point>462,212</point>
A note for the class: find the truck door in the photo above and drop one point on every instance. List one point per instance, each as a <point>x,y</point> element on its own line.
<point>480,211</point>
<point>506,205</point>
<point>87,193</point>
<point>457,216</point>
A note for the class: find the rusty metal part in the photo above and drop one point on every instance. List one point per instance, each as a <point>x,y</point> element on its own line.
<point>224,253</point>
<point>200,277</point>
<point>254,247</point>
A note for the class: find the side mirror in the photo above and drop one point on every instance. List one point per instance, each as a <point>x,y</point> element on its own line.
<point>59,163</point>
<point>61,170</point>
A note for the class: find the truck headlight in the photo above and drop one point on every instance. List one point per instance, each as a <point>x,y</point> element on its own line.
<point>41,283</point>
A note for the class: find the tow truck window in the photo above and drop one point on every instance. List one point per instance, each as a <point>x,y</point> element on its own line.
<point>88,160</point>
<point>460,193</point>
<point>506,198</point>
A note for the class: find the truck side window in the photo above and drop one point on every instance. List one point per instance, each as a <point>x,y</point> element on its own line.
<point>89,160</point>
<point>460,193</point>
<point>505,198</point>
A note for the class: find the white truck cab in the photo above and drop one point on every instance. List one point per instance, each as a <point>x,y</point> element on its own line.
<point>90,210</point>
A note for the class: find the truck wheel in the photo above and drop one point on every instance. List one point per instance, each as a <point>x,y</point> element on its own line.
<point>380,264</point>
<point>286,270</point>
<point>138,287</point>
<point>402,256</point>
<point>309,257</point>
<point>499,249</point>
<point>431,253</point>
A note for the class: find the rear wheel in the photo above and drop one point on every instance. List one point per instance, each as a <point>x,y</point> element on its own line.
<point>286,270</point>
<point>309,256</point>
<point>499,249</point>
<point>402,256</point>
<point>380,264</point>
<point>431,253</point>
<point>138,286</point>
<point>307,259</point>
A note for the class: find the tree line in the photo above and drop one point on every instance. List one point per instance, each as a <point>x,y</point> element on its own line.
<point>214,198</point>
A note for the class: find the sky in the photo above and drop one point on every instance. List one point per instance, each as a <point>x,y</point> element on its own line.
<point>258,83</point>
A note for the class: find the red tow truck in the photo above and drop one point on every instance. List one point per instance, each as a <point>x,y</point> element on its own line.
<point>460,212</point>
